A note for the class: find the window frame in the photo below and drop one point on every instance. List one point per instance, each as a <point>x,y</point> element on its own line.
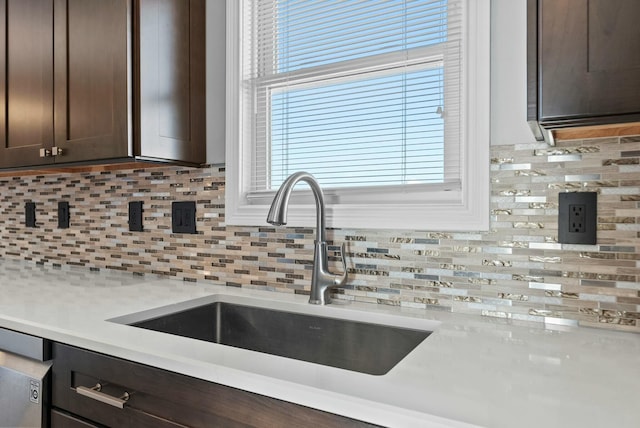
<point>416,207</point>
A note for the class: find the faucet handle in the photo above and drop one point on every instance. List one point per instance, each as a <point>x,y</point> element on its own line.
<point>342,279</point>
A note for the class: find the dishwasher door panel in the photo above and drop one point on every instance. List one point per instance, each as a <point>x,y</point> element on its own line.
<point>22,391</point>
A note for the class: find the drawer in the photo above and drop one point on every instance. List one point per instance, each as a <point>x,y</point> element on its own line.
<point>64,420</point>
<point>158,398</point>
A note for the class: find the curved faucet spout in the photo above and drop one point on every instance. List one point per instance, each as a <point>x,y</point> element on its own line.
<point>280,205</point>
<point>322,279</point>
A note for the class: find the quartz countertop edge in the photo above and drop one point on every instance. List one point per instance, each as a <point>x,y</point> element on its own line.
<point>472,371</point>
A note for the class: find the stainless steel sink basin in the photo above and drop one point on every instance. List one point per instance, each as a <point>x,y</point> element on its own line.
<point>363,347</point>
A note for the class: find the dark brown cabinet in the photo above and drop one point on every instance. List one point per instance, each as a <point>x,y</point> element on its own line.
<point>65,420</point>
<point>26,78</point>
<point>101,80</point>
<point>156,398</point>
<point>583,63</point>
<point>91,79</point>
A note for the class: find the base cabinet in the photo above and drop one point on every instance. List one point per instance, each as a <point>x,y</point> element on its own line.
<point>65,420</point>
<point>151,397</point>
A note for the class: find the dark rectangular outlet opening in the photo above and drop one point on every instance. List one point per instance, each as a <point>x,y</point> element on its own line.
<point>135,216</point>
<point>183,217</point>
<point>63,215</point>
<point>30,214</point>
<point>577,218</point>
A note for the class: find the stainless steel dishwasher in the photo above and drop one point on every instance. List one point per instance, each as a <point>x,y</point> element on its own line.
<point>24,383</point>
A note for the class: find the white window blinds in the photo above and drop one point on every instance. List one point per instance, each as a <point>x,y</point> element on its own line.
<point>357,92</point>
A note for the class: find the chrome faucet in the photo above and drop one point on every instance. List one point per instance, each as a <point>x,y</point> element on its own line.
<point>321,280</point>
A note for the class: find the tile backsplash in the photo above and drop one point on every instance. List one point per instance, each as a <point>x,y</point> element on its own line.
<point>516,270</point>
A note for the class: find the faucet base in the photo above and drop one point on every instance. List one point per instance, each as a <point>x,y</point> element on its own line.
<point>319,301</point>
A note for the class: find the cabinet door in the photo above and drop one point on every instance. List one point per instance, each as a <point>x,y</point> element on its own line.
<point>171,63</point>
<point>92,114</point>
<point>26,81</point>
<point>589,54</point>
<point>65,420</point>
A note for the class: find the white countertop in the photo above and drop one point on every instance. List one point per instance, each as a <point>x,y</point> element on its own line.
<point>471,371</point>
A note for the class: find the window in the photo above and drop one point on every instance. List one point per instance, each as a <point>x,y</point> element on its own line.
<point>385,102</point>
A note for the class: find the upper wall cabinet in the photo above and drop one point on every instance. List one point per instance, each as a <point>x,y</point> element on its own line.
<point>583,63</point>
<point>26,77</point>
<point>100,80</point>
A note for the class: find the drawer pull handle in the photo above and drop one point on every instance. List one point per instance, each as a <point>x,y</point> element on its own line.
<point>95,394</point>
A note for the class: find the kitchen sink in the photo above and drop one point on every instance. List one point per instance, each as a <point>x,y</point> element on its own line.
<point>347,344</point>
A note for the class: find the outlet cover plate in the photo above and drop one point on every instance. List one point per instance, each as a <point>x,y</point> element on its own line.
<point>30,214</point>
<point>135,216</point>
<point>183,217</point>
<point>63,215</point>
<point>578,218</point>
